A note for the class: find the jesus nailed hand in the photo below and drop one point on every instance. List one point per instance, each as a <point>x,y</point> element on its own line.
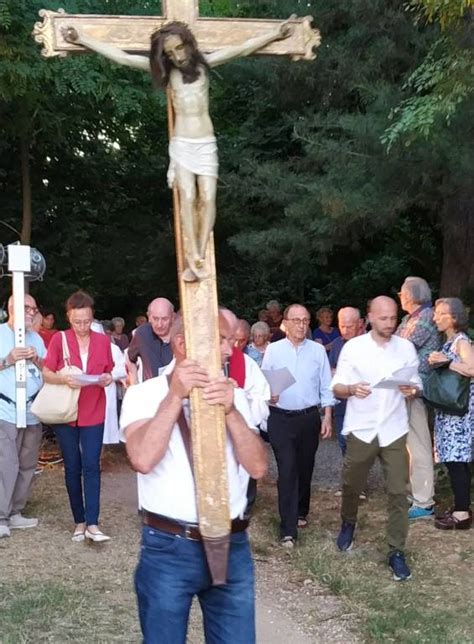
<point>177,65</point>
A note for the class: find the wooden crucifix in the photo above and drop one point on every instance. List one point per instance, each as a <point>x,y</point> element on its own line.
<point>193,177</point>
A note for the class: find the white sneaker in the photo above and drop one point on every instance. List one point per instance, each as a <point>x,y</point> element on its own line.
<point>17,521</point>
<point>4,531</point>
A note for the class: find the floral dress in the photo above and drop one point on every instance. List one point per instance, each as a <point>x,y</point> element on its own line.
<point>454,434</point>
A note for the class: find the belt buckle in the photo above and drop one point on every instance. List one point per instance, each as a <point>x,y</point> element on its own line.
<point>187,532</point>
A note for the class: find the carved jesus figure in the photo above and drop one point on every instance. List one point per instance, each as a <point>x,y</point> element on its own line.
<point>175,62</point>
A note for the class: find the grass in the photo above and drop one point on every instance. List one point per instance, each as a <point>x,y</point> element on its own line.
<point>436,605</point>
<point>58,612</point>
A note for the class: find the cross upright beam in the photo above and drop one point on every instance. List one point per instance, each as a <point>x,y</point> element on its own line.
<point>184,10</point>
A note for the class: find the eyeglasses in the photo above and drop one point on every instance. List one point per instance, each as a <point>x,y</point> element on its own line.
<point>30,309</point>
<point>298,321</point>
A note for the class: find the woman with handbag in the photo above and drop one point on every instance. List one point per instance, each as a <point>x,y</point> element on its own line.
<point>453,433</point>
<point>81,440</point>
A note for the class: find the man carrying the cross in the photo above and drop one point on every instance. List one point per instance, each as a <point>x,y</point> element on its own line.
<point>176,63</point>
<point>173,567</point>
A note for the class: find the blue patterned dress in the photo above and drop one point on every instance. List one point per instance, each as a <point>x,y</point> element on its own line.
<point>454,434</point>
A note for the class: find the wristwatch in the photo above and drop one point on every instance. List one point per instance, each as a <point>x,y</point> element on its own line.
<point>4,363</point>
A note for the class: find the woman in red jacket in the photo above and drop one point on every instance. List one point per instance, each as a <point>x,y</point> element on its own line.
<point>81,441</point>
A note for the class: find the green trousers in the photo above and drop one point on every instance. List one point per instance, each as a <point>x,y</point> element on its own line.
<point>358,460</point>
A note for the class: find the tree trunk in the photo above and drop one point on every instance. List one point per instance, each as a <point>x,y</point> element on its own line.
<point>26,189</point>
<point>457,274</point>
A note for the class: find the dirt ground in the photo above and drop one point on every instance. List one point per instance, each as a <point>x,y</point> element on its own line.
<point>54,590</point>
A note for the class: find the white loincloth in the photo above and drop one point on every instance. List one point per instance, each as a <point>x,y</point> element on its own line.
<point>199,156</point>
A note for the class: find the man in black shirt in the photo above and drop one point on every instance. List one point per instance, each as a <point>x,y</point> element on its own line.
<point>150,341</point>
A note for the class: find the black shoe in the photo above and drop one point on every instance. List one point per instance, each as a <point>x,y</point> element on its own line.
<point>396,561</point>
<point>345,537</point>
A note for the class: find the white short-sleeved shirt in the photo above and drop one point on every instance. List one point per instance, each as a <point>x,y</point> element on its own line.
<point>383,413</point>
<point>169,488</point>
<point>34,378</point>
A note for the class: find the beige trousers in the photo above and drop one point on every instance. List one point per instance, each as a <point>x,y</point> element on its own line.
<point>19,449</point>
<point>420,450</point>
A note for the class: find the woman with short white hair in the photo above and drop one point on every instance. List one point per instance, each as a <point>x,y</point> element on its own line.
<point>260,339</point>
<point>118,336</point>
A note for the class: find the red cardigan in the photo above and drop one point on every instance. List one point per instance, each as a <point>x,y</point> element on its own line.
<point>99,361</point>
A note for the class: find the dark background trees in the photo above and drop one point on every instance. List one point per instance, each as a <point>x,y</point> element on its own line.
<point>334,183</point>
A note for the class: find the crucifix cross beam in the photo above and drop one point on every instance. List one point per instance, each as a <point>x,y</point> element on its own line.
<point>132,33</point>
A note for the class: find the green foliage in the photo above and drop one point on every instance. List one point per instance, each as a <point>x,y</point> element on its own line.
<point>446,12</point>
<point>443,80</point>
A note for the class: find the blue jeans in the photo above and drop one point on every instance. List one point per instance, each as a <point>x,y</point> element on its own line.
<point>172,570</point>
<point>339,422</point>
<point>81,448</point>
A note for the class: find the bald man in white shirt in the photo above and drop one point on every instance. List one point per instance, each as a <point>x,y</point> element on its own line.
<point>376,424</point>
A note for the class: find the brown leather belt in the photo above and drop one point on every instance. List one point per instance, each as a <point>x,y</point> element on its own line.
<point>186,530</point>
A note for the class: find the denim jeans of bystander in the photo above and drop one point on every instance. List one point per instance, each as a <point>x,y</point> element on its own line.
<point>81,447</point>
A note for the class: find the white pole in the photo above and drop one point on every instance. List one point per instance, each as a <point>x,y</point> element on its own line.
<point>19,263</point>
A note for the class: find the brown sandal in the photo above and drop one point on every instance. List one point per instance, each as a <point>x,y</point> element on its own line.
<point>449,522</point>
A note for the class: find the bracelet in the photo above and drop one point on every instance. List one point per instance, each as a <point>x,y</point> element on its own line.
<point>349,389</point>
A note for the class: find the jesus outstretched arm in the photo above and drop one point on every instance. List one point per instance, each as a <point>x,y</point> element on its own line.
<point>115,54</point>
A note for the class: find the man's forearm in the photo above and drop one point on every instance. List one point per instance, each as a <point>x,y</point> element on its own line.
<point>147,443</point>
<point>327,412</point>
<point>249,448</point>
<point>343,391</point>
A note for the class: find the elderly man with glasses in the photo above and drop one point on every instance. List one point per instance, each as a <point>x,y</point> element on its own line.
<point>418,327</point>
<point>295,424</point>
<point>18,446</point>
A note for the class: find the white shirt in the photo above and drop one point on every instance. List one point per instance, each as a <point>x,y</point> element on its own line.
<point>257,391</point>
<point>309,365</point>
<point>111,426</point>
<point>383,413</point>
<point>169,488</point>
